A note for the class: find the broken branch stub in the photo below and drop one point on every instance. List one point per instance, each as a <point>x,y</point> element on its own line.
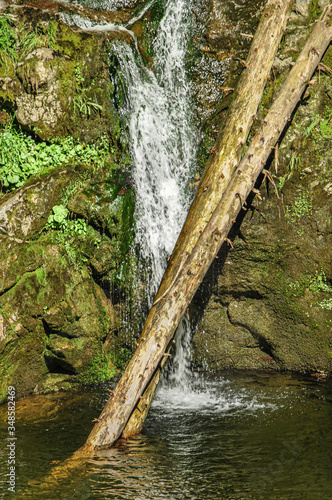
<point>165,316</point>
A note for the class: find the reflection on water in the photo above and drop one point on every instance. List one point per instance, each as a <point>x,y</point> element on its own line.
<point>240,436</point>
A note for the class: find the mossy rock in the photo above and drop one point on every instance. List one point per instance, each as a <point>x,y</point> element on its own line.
<point>270,304</point>
<point>57,317</point>
<point>58,81</point>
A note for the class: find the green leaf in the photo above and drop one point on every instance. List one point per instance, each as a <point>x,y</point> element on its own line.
<point>60,213</point>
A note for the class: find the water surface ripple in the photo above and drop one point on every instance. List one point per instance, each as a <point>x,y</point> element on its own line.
<point>235,436</point>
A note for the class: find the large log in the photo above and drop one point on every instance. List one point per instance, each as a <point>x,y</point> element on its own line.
<point>226,155</point>
<point>232,138</point>
<point>167,311</point>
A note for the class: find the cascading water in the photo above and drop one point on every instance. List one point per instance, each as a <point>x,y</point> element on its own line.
<point>162,140</point>
<point>163,144</point>
<point>163,148</point>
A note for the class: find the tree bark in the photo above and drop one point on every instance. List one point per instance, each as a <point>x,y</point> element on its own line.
<point>168,309</point>
<point>138,416</point>
<point>228,148</point>
<point>231,140</point>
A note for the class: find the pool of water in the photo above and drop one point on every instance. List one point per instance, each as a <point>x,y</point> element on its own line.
<point>231,436</point>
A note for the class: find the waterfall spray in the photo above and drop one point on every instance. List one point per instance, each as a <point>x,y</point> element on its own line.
<point>163,147</point>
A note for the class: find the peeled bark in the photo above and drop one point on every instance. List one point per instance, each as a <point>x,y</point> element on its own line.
<point>229,146</point>
<point>230,143</point>
<point>168,309</point>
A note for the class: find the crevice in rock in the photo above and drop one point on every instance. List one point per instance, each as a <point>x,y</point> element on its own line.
<point>8,289</point>
<point>52,331</point>
<point>237,295</point>
<point>114,293</point>
<point>101,280</point>
<point>262,342</point>
<point>55,365</point>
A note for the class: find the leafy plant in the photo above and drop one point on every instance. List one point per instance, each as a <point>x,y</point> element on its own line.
<point>82,102</point>
<point>300,208</point>
<point>16,41</point>
<point>8,39</point>
<point>325,304</point>
<point>71,233</point>
<point>58,218</point>
<point>319,283</point>
<point>21,156</point>
<point>292,166</point>
<point>84,105</point>
<point>312,126</point>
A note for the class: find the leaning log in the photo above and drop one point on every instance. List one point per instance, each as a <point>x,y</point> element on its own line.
<point>227,152</point>
<point>231,140</point>
<point>167,311</point>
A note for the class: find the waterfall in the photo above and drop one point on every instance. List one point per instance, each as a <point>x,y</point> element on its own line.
<point>163,147</point>
<point>162,140</point>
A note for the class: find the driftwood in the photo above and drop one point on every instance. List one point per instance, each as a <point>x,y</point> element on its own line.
<point>225,157</point>
<point>168,309</point>
<point>230,143</point>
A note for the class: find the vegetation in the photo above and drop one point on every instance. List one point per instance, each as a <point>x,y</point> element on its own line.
<point>320,284</point>
<point>301,207</point>
<point>82,102</point>
<point>8,39</point>
<point>16,42</point>
<point>317,284</point>
<point>21,156</point>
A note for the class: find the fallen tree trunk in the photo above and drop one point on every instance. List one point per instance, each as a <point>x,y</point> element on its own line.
<point>136,421</point>
<point>167,311</point>
<point>231,140</point>
<point>227,153</point>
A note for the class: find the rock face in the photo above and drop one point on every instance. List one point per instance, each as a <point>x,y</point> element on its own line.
<point>59,317</point>
<point>64,278</point>
<point>68,304</point>
<point>41,103</point>
<point>267,302</point>
<point>26,211</point>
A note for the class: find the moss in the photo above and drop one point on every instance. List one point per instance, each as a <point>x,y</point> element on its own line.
<point>100,369</point>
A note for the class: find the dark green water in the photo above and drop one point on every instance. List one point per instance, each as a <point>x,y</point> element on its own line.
<point>236,436</point>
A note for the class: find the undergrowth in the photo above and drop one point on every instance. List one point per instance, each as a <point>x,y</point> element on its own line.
<point>21,156</point>
<point>317,284</point>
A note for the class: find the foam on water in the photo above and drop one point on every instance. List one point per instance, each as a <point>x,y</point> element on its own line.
<point>208,397</point>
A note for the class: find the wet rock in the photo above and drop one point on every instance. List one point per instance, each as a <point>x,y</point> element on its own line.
<point>74,316</point>
<point>58,324</point>
<point>55,321</point>
<point>40,103</point>
<point>25,212</point>
<point>269,304</point>
<point>222,344</point>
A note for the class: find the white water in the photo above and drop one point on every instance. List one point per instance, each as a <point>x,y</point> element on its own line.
<point>159,118</point>
<point>163,147</point>
<point>161,140</point>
